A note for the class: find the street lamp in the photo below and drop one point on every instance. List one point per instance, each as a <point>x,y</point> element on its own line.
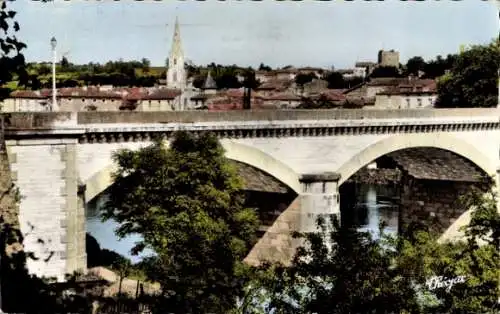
<point>53,43</point>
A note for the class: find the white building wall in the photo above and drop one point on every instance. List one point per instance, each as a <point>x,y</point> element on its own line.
<point>400,101</point>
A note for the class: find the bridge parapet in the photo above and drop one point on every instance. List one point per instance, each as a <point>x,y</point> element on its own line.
<point>278,115</point>
<point>40,120</point>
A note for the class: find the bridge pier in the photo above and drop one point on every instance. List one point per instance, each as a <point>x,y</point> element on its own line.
<point>320,198</point>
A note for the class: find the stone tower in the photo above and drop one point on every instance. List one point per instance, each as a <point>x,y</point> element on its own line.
<point>176,72</point>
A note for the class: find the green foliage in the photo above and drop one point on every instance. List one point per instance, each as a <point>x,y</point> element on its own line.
<point>263,67</point>
<point>336,80</point>
<point>187,204</point>
<point>119,73</point>
<point>414,65</point>
<point>302,79</point>
<point>12,64</point>
<point>438,67</point>
<point>473,79</point>
<point>340,270</point>
<point>421,257</point>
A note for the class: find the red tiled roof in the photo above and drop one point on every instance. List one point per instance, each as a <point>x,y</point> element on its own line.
<point>285,71</point>
<point>234,92</point>
<point>90,93</point>
<point>397,81</point>
<point>27,94</point>
<point>161,94</point>
<point>412,87</point>
<point>282,96</point>
<point>225,106</point>
<point>333,95</point>
<point>310,69</point>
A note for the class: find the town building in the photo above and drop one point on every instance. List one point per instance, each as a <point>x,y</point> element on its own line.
<point>394,93</point>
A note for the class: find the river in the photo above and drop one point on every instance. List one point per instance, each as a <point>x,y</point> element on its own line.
<point>369,205</point>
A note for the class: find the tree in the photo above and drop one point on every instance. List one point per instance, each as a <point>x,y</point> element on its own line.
<point>64,64</point>
<point>340,270</point>
<point>227,80</point>
<point>414,65</point>
<point>187,204</point>
<point>263,67</point>
<point>301,79</point>
<point>473,79</point>
<point>335,80</point>
<point>477,258</point>
<point>146,64</point>
<point>12,257</point>
<point>44,69</point>
<point>12,63</point>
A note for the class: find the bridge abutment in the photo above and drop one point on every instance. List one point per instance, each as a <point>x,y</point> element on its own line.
<point>46,173</point>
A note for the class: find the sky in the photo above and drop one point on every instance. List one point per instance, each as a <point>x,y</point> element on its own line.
<point>246,33</point>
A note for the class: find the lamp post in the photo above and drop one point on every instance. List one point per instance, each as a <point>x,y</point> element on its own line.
<point>53,43</point>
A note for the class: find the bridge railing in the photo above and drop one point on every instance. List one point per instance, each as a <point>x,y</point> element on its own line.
<point>263,115</point>
<point>27,120</point>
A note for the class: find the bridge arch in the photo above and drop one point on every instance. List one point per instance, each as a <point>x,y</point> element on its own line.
<point>408,141</point>
<point>254,157</point>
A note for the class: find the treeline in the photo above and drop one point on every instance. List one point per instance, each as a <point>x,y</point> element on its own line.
<point>117,73</point>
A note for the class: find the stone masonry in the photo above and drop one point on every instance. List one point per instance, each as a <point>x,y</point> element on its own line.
<point>432,201</point>
<point>60,161</point>
<point>51,219</point>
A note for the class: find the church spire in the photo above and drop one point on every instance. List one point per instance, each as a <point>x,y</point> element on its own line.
<point>176,72</point>
<point>176,50</point>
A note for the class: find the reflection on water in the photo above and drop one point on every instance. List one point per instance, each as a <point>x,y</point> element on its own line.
<point>104,232</point>
<point>369,206</point>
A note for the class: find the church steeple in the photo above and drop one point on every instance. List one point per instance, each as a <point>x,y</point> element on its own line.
<point>176,41</point>
<point>176,73</point>
<point>209,82</point>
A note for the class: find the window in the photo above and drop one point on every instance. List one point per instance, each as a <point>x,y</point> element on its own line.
<point>408,102</point>
<point>175,61</point>
<point>419,101</point>
<point>174,77</point>
<point>431,102</point>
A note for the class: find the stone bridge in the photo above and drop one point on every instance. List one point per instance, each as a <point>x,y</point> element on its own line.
<point>61,161</point>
